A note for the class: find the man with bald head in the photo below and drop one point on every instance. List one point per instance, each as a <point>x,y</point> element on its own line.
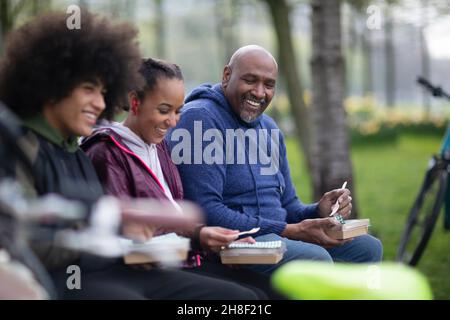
<point>232,161</point>
<point>251,65</point>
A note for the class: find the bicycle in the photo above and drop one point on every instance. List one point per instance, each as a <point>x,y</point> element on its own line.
<point>434,192</point>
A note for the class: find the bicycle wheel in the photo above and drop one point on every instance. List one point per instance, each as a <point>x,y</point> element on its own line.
<point>423,215</point>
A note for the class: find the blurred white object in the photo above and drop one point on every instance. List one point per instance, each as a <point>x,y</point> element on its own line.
<point>101,236</point>
<point>11,197</point>
<point>161,212</point>
<point>251,231</point>
<point>53,208</point>
<point>17,281</point>
<point>168,250</point>
<point>49,208</point>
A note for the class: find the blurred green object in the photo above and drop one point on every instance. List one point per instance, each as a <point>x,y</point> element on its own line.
<point>309,280</point>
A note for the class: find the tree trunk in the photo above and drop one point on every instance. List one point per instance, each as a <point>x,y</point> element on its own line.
<point>367,70</point>
<point>280,11</point>
<point>114,8</point>
<point>160,30</point>
<point>331,153</point>
<point>8,13</point>
<point>83,4</point>
<point>226,20</point>
<point>425,71</point>
<point>39,6</point>
<point>130,10</point>
<point>351,52</point>
<point>5,22</point>
<point>425,58</point>
<point>359,12</point>
<point>389,60</point>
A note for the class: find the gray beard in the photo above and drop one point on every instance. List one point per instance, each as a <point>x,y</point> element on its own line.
<point>248,118</point>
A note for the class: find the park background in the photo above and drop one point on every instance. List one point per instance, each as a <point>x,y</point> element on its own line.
<point>347,98</point>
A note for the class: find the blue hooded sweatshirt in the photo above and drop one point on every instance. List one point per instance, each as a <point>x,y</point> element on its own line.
<point>238,172</point>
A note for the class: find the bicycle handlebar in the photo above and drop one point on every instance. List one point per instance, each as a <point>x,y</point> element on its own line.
<point>435,90</point>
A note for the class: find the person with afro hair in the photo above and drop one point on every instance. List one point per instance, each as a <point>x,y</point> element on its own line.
<point>60,82</point>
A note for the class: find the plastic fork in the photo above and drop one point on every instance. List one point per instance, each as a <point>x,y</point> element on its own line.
<point>254,230</point>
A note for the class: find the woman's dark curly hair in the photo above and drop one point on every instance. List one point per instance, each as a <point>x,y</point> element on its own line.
<point>45,61</point>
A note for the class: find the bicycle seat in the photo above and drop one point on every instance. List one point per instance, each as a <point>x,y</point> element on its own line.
<point>309,280</point>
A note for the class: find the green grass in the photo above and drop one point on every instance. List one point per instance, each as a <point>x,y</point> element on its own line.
<point>388,177</point>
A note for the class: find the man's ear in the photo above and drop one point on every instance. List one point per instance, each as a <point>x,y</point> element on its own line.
<point>226,76</point>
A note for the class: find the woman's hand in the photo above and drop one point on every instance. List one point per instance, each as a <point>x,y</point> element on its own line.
<point>213,238</point>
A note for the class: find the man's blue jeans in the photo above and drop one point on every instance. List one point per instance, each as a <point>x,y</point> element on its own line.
<point>362,249</point>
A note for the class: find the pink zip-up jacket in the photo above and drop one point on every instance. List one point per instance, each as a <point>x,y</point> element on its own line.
<point>123,174</point>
